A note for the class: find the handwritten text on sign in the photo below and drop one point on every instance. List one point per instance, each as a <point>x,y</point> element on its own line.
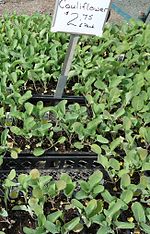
<point>80,16</point>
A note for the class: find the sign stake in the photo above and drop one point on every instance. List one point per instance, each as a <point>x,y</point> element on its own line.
<point>66,66</point>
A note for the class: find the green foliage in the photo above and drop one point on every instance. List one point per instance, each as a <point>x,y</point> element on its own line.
<point>114,123</point>
<point>91,203</point>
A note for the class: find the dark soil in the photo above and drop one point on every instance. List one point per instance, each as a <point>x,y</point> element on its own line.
<point>38,88</point>
<point>16,221</point>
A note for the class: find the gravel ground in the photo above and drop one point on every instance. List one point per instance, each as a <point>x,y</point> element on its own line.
<point>27,6</point>
<point>132,7</point>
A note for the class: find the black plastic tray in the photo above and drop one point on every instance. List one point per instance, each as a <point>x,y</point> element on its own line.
<point>55,161</point>
<point>50,99</point>
<point>50,160</point>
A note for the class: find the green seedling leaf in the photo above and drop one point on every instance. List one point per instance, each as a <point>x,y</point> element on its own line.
<point>25,97</point>
<point>29,108</point>
<point>114,209</point>
<point>98,209</point>
<point>91,206</point>
<point>85,186</point>
<point>127,123</point>
<point>61,140</point>
<point>142,152</point>
<point>25,39</point>
<point>27,230</point>
<point>9,183</point>
<point>98,108</point>
<point>145,228</point>
<point>2,112</point>
<point>41,220</point>
<point>98,189</point>
<point>79,129</point>
<point>96,149</point>
<point>107,196</point>
<point>77,204</point>
<point>81,195</point>
<point>114,164</point>
<point>14,154</point>
<point>51,227</point>
<point>78,228</point>
<point>16,130</point>
<point>78,145</point>
<point>1,160</point>
<point>37,192</point>
<point>4,136</point>
<point>35,174</point>
<point>38,230</point>
<point>127,196</point>
<point>38,151</point>
<point>95,179</point>
<point>3,213</point>
<point>72,224</point>
<point>93,124</point>
<point>40,105</point>
<point>43,180</point>
<point>89,99</point>
<point>124,225</point>
<point>23,180</point>
<point>146,117</point>
<point>125,181</point>
<point>54,216</point>
<point>98,219</point>
<point>137,103</point>
<point>119,113</point>
<point>66,178</point>
<point>11,175</point>
<point>69,189</point>
<point>144,181</point>
<point>146,166</point>
<point>29,123</point>
<point>100,85</point>
<point>122,172</point>
<point>61,185</point>
<point>14,193</point>
<point>115,143</point>
<point>103,160</point>
<point>128,96</point>
<point>138,212</point>
<point>145,133</point>
<point>61,106</point>
<point>102,139</point>
<point>42,32</point>
<point>33,203</point>
<point>52,189</point>
<point>103,230</point>
<point>38,209</point>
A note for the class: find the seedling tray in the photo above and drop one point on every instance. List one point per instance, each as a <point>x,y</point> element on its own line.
<point>57,160</point>
<point>52,161</point>
<point>45,98</point>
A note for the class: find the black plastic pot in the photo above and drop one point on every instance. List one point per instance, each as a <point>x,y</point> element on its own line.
<point>49,99</point>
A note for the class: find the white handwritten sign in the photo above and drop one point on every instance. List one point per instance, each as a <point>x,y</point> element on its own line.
<point>80,16</point>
